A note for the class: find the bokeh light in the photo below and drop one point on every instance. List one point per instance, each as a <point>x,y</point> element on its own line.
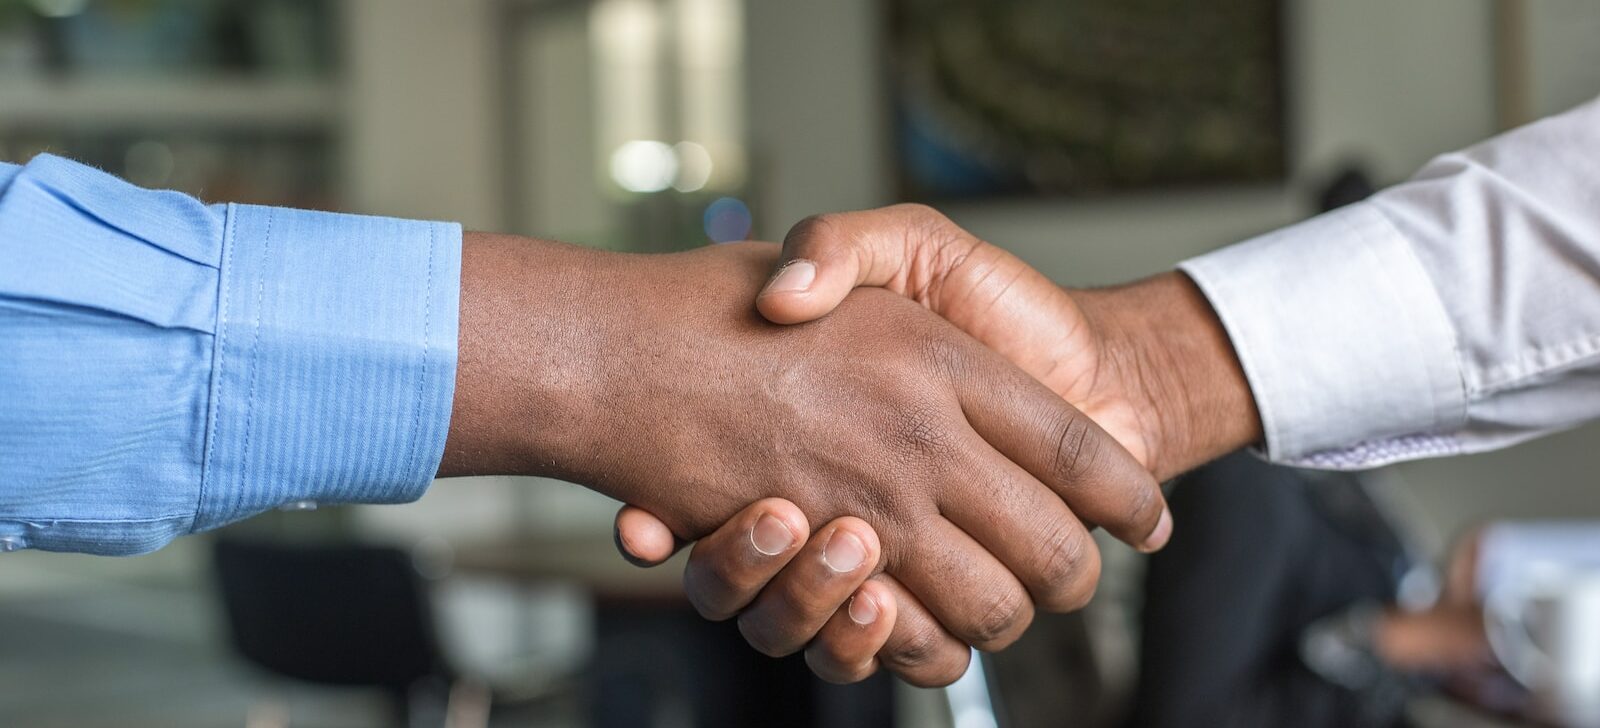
<point>644,165</point>
<point>728,220</point>
<point>694,167</point>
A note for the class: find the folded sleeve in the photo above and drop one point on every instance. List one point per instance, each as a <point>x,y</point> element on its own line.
<point>169,367</point>
<point>1341,337</point>
<point>1457,312</point>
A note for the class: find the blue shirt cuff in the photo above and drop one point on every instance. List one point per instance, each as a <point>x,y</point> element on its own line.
<point>335,360</point>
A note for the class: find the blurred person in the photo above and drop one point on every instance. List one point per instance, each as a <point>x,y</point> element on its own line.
<point>1270,607</point>
<point>1389,649</point>
<point>169,367</point>
<point>1282,602</point>
<point>1457,312</point>
<point>1276,606</point>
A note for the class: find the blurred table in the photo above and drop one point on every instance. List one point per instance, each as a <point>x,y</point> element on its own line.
<point>589,562</point>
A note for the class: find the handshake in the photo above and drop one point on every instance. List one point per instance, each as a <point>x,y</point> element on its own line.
<point>880,477</point>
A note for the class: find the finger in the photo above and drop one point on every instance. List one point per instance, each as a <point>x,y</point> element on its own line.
<point>1029,529</point>
<point>971,593</point>
<point>919,649</point>
<point>812,588</point>
<point>731,566</point>
<point>1099,480</point>
<point>846,650</point>
<point>642,538</point>
<point>825,256</point>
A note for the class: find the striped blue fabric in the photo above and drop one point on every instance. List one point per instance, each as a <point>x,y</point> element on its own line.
<point>169,367</point>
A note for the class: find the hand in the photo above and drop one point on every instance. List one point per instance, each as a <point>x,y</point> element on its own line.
<point>1148,361</point>
<point>850,622</point>
<point>1129,357</point>
<point>1446,638</point>
<point>651,379</point>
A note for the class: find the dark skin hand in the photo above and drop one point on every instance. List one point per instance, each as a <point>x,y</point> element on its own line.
<point>1149,361</point>
<point>652,379</point>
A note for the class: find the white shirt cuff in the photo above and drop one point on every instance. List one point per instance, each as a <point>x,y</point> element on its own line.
<point>1345,343</point>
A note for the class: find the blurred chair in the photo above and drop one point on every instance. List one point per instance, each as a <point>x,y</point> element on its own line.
<point>344,615</point>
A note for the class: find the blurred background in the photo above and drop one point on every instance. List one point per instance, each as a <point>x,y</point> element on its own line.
<point>1099,140</point>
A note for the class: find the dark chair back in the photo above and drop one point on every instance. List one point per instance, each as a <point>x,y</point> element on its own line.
<point>336,615</point>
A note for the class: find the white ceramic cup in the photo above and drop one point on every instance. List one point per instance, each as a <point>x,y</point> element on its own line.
<point>1545,630</point>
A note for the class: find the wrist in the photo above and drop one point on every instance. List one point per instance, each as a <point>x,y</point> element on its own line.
<point>1172,357</point>
<point>527,355</point>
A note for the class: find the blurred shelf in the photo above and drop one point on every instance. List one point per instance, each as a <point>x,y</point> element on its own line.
<point>164,101</point>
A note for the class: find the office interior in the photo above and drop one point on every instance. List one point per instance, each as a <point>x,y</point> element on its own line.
<point>619,124</point>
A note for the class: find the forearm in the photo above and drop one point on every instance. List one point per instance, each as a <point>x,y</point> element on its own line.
<point>525,356</point>
<point>1163,339</point>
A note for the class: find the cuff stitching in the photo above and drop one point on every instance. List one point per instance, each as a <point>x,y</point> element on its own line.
<point>219,356</point>
<point>255,341</point>
<point>415,455</point>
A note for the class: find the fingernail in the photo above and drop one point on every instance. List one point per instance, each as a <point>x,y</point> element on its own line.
<point>796,275</point>
<point>770,536</point>
<point>1161,535</point>
<point>863,610</point>
<point>844,552</point>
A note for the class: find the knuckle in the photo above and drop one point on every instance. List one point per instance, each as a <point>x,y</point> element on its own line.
<point>710,610</point>
<point>813,229</point>
<point>1076,448</point>
<point>837,652</point>
<point>1076,594</point>
<point>939,674</point>
<point>763,638</point>
<point>884,503</point>
<point>943,354</point>
<point>1146,506</point>
<point>924,218</point>
<point>713,586</point>
<point>933,229</point>
<point>830,668</point>
<point>917,209</point>
<point>1063,558</point>
<point>919,649</point>
<point>730,578</point>
<point>1004,622</point>
<point>707,604</point>
<point>922,431</point>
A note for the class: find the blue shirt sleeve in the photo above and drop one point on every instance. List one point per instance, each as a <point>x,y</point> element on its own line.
<point>168,367</point>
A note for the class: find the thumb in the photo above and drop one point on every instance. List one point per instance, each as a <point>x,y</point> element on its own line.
<point>642,538</point>
<point>826,256</point>
<point>818,268</point>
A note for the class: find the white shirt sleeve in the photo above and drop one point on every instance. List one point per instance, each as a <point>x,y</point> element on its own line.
<point>1457,312</point>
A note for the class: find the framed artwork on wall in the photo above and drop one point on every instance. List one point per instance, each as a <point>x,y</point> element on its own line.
<point>1018,98</point>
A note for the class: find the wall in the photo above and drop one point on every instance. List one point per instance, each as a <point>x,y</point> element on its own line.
<point>422,110</point>
<point>1390,84</point>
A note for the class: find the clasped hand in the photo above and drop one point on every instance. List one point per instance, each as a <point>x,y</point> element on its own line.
<point>917,616</point>
<point>914,470</point>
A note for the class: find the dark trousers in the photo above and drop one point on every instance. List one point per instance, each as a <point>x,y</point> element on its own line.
<point>1258,553</point>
